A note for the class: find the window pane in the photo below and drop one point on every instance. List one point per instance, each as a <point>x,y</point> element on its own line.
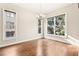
<point>39,29</point>
<point>59,30</point>
<point>12,15</point>
<point>50,22</point>
<point>10,33</point>
<point>7,14</point>
<point>39,22</point>
<point>60,23</point>
<point>39,26</point>
<point>50,30</point>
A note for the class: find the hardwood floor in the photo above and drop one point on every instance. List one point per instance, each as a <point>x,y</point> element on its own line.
<point>22,49</point>
<point>40,47</point>
<point>55,48</point>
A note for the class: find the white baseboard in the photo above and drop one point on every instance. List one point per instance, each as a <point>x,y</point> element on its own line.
<point>61,39</point>
<point>70,40</point>
<point>19,41</point>
<point>73,40</point>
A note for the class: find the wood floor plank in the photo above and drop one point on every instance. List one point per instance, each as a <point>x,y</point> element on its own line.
<point>30,48</point>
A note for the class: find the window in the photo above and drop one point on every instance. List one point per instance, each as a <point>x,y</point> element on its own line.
<point>60,24</point>
<point>50,27</point>
<point>56,25</point>
<point>39,26</point>
<point>9,24</point>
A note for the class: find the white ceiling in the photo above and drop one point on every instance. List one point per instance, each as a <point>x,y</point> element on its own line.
<point>42,7</point>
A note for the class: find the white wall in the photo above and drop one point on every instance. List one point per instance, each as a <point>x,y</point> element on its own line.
<point>72,12</point>
<point>27,24</point>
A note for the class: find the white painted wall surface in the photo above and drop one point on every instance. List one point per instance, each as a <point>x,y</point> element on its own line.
<point>27,25</point>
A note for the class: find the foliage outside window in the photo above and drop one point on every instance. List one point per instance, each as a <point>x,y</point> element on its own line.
<point>56,25</point>
<point>50,27</point>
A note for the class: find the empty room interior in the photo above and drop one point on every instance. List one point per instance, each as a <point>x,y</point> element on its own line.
<point>39,29</point>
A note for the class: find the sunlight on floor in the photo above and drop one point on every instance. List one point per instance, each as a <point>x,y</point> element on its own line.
<point>10,51</point>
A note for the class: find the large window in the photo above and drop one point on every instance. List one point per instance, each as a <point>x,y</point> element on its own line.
<point>56,25</point>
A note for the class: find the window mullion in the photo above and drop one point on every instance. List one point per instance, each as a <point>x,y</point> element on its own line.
<point>54,24</point>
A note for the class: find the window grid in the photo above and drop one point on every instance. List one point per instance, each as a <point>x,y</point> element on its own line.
<point>54,26</point>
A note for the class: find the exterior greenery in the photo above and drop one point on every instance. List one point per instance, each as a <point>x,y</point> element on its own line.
<point>60,23</point>
<point>50,25</point>
<point>56,25</point>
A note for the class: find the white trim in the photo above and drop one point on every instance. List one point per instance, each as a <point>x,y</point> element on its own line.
<point>73,40</point>
<point>66,25</point>
<point>54,25</point>
<point>17,42</point>
<point>57,38</point>
<point>70,40</point>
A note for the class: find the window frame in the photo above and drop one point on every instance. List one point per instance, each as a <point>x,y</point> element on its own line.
<point>65,27</point>
<point>4,20</point>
